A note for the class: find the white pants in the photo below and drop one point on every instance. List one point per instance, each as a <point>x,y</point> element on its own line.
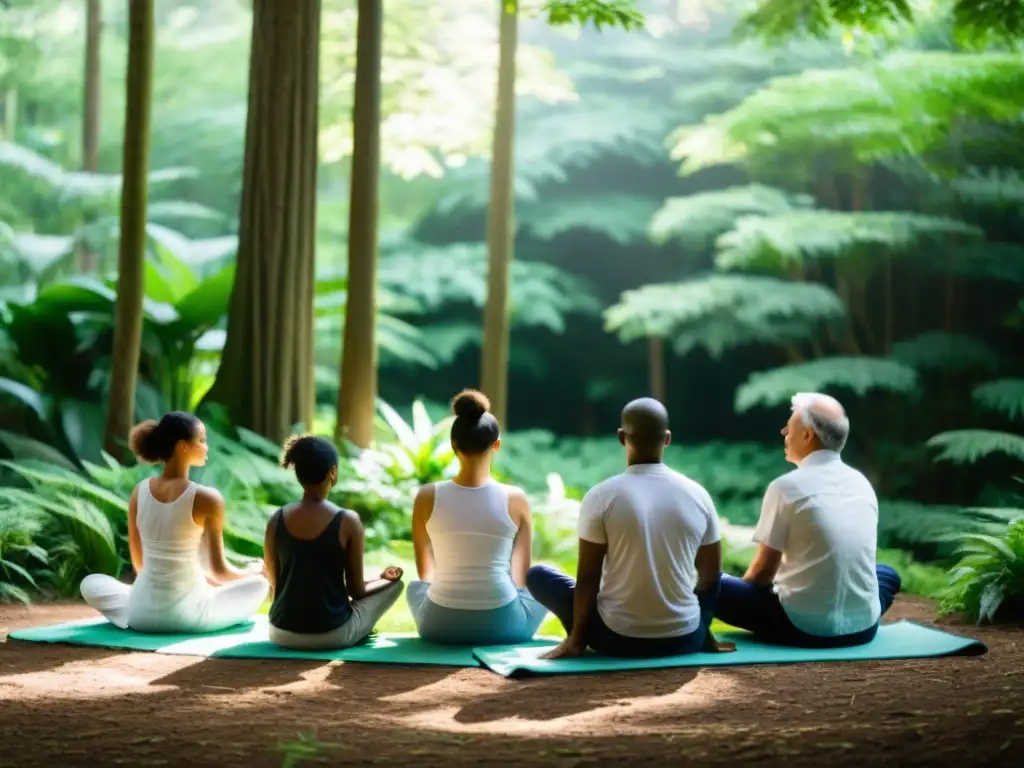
<point>365,615</point>
<point>223,606</point>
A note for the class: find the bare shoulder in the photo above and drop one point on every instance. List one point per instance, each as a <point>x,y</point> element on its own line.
<point>517,497</point>
<point>425,493</point>
<point>208,499</point>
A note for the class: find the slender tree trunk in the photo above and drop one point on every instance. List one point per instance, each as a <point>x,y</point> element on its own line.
<point>656,372</point>
<point>357,395</point>
<point>501,221</point>
<point>266,371</point>
<point>132,250</point>
<point>91,109</point>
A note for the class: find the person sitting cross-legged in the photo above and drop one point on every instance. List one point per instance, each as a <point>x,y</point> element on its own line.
<point>814,581</point>
<point>314,555</point>
<point>650,557</point>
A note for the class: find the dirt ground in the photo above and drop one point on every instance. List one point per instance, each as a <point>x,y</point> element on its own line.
<point>67,706</point>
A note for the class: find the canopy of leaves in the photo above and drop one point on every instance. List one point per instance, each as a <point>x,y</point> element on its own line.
<point>720,312</point>
<point>695,219</point>
<point>856,374</point>
<point>902,105</point>
<point>778,241</point>
<point>938,352</point>
<point>973,19</point>
<point>619,217</point>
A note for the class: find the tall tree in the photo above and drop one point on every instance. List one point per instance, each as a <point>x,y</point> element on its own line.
<point>91,99</point>
<point>266,371</point>
<point>358,391</point>
<point>132,250</point>
<point>501,218</point>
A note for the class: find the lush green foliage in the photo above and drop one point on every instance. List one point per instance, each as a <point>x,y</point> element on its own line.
<point>989,579</point>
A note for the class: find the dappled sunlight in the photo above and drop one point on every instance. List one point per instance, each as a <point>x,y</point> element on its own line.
<point>609,705</point>
<point>90,678</point>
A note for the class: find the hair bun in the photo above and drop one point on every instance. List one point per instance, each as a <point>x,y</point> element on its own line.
<point>470,404</point>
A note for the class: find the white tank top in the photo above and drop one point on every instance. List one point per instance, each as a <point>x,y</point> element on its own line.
<point>172,581</point>
<point>471,535</point>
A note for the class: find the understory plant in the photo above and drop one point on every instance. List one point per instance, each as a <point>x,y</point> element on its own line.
<point>987,584</point>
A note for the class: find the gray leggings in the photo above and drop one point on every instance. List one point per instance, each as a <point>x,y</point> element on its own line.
<point>365,615</point>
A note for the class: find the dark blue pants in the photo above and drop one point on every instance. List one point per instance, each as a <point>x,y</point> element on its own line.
<point>555,591</point>
<point>756,608</point>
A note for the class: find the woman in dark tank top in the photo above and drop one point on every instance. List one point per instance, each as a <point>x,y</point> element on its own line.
<point>314,555</point>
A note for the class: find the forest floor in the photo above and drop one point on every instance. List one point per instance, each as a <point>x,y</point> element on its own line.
<point>62,705</point>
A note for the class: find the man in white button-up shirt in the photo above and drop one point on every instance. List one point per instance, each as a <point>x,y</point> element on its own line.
<point>814,580</point>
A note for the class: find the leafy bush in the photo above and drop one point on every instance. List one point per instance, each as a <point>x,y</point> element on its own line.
<point>988,582</point>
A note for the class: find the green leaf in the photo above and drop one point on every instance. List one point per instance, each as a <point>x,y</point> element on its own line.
<point>208,303</point>
<point>24,448</point>
<point>946,352</point>
<point>25,395</point>
<point>857,374</point>
<point>1005,396</point>
<point>968,446</point>
<point>991,598</point>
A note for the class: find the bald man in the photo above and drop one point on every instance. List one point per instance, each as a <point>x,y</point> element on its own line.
<point>814,581</point>
<point>650,558</point>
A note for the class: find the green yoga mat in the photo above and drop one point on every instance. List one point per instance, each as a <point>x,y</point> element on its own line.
<point>249,641</point>
<point>901,640</point>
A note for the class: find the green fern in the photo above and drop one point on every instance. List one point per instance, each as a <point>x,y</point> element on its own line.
<point>720,312</point>
<point>969,446</point>
<point>1005,396</point>
<point>902,105</point>
<point>989,575</point>
<point>695,219</point>
<point>857,374</point>
<point>778,241</point>
<point>946,352</point>
<point>620,217</point>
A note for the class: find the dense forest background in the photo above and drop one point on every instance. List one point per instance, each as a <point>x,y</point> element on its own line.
<point>714,221</point>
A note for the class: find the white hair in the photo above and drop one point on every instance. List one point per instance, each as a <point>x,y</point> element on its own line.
<point>824,415</point>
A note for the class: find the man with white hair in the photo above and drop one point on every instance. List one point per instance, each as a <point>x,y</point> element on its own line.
<point>814,581</point>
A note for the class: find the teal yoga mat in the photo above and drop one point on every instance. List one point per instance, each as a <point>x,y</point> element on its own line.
<point>900,640</point>
<point>249,641</point>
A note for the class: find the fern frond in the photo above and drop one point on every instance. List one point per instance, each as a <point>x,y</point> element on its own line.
<point>719,312</point>
<point>902,105</point>
<point>939,351</point>
<point>994,187</point>
<point>968,446</point>
<point>620,217</point>
<point>1003,262</point>
<point>694,219</point>
<point>774,242</point>
<point>1005,396</point>
<point>857,374</point>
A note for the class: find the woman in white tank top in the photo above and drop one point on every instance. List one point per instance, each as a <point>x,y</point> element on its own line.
<point>167,518</point>
<point>472,538</point>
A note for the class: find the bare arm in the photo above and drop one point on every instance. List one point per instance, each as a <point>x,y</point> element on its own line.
<point>519,508</point>
<point>353,539</point>
<point>588,581</point>
<point>421,509</point>
<point>210,504</point>
<point>134,539</point>
<point>764,566</point>
<point>270,551</point>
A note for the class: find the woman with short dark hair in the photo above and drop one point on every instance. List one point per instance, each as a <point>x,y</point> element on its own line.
<point>314,554</point>
<point>472,538</point>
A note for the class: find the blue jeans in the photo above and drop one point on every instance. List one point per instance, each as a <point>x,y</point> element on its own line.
<point>556,592</point>
<point>509,624</point>
<point>756,608</point>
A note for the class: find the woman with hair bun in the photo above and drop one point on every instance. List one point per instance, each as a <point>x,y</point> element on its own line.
<point>472,538</point>
<point>167,517</point>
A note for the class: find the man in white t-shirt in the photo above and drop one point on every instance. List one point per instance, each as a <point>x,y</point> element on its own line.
<point>650,558</point>
<point>814,581</point>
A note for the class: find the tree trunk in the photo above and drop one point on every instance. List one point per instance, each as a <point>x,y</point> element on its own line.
<point>656,360</point>
<point>357,395</point>
<point>91,109</point>
<point>266,372</point>
<point>501,221</point>
<point>132,249</point>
